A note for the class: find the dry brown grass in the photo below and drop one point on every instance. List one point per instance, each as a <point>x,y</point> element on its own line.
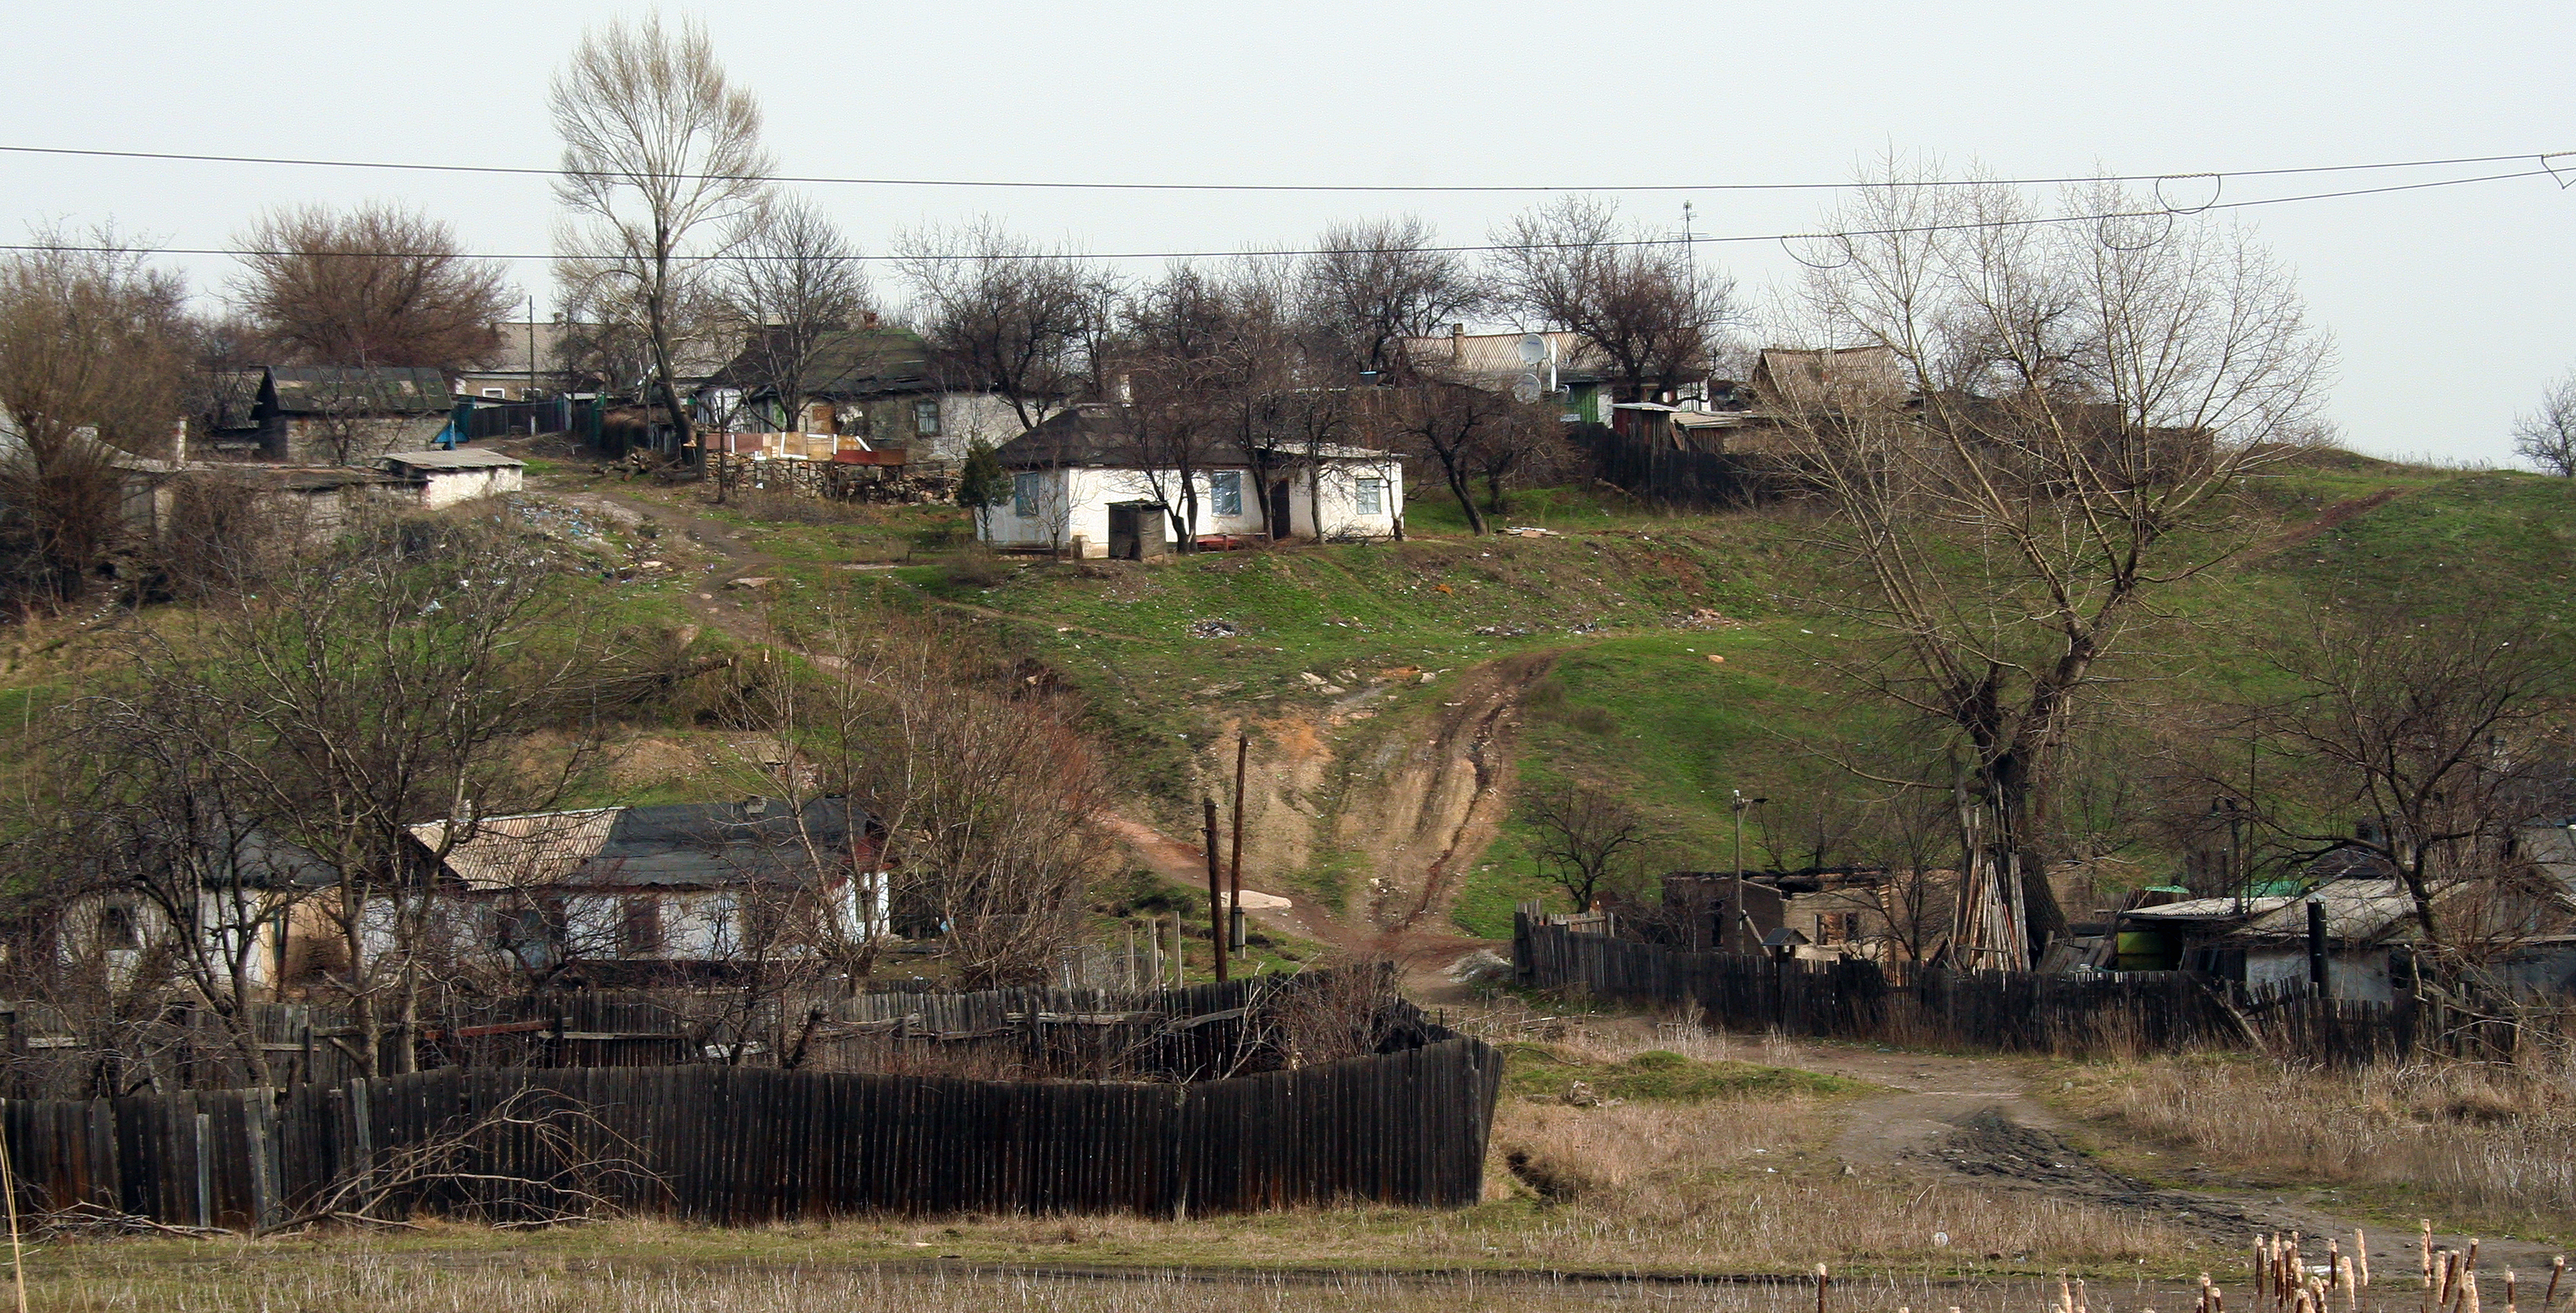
<point>363,1276</point>
<point>2487,1145</point>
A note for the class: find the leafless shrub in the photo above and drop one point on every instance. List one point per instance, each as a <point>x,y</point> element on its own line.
<point>1331,1014</point>
<point>381,284</point>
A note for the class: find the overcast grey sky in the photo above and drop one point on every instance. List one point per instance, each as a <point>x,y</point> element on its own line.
<point>2452,306</point>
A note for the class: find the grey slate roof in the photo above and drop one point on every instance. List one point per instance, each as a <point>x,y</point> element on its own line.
<point>349,389</point>
<point>462,458</point>
<point>684,845</point>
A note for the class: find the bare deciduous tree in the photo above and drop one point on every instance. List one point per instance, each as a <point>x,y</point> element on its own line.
<point>1005,314</point>
<point>93,362</point>
<point>984,799</point>
<point>2547,437</point>
<point>366,688</point>
<point>790,280</point>
<point>658,148</point>
<point>377,285</point>
<point>1376,282</point>
<point>1587,840</point>
<point>1467,432</point>
<point>2076,402</point>
<point>2428,732</point>
<point>1644,304</point>
<point>1202,351</point>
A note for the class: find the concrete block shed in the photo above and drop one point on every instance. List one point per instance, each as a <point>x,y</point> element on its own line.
<point>444,478</point>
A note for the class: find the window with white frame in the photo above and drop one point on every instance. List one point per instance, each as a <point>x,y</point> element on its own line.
<point>1025,489</point>
<point>1225,492</point>
<point>1371,496</point>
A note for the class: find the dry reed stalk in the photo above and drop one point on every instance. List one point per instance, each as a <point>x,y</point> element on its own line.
<point>2508,1291</point>
<point>2557,1269</point>
<point>2083,1301</point>
<point>2065,1293</point>
<point>2202,1306</point>
<point>2426,1224</point>
<point>2469,1291</point>
<point>1823,1280</point>
<point>2361,1258</point>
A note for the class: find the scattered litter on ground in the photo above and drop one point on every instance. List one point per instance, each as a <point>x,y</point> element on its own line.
<point>1215,629</point>
<point>1532,531</point>
<point>752,581</point>
<point>1502,631</point>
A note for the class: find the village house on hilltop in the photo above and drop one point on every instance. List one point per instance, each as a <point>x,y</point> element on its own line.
<point>1082,483</point>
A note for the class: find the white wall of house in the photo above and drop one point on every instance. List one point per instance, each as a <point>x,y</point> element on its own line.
<point>448,487</point>
<point>1055,508</point>
<point>965,417</point>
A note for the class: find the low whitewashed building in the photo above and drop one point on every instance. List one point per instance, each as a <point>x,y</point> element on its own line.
<point>444,478</point>
<point>1080,484</point>
<point>644,894</point>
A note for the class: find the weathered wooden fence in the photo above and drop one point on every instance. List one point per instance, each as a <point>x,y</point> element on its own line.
<point>739,1145</point>
<point>2011,1011</point>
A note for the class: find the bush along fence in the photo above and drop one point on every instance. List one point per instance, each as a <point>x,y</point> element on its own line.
<point>2010,1011</point>
<point>1078,1033</point>
<point>1404,1125</point>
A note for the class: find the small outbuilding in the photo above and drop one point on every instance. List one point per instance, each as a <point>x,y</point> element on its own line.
<point>444,478</point>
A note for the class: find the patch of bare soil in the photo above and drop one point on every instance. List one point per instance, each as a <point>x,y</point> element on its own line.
<point>1991,1148</point>
<point>2325,519</point>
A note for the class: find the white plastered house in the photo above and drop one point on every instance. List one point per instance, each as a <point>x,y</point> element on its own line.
<point>1081,485</point>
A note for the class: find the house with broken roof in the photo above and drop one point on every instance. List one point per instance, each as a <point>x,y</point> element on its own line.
<point>633,895</point>
<point>1085,483</point>
<point>877,383</point>
<point>2359,924</point>
<point>327,414</point>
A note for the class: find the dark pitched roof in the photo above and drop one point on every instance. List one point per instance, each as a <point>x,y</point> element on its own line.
<point>1077,435</point>
<point>350,389</point>
<point>1101,436</point>
<point>684,844</point>
<point>850,363</point>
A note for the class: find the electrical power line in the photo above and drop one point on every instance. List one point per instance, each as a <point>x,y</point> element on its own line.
<point>524,171</point>
<point>2167,211</point>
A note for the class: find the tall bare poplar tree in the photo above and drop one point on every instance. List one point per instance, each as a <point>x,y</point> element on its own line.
<point>2074,401</point>
<point>657,148</point>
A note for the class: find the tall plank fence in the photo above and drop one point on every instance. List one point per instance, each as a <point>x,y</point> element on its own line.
<point>748,1144</point>
<point>2010,1011</point>
<point>1222,1102</point>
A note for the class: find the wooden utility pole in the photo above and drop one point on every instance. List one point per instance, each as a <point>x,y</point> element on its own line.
<point>1216,892</point>
<point>1234,872</point>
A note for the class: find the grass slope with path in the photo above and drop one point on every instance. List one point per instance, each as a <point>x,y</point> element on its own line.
<point>1686,655</point>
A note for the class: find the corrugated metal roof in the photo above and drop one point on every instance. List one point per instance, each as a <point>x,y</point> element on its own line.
<point>2357,911</point>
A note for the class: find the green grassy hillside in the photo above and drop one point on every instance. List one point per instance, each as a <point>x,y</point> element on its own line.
<point>1632,607</point>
